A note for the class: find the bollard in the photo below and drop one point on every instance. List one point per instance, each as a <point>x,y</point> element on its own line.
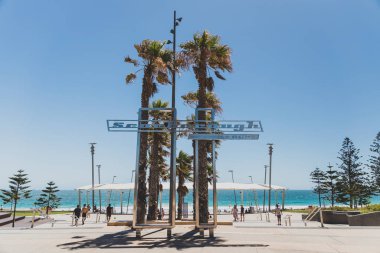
<point>138,233</point>
<point>211,233</point>
<point>34,215</point>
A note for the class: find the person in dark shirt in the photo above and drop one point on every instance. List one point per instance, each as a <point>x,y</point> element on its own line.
<point>109,212</point>
<point>84,213</point>
<point>242,213</point>
<point>76,213</point>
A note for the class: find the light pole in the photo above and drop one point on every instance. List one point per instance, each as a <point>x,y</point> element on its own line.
<point>93,176</point>
<point>270,173</point>
<point>129,193</point>
<point>109,199</point>
<point>173,152</point>
<point>253,191</point>
<point>265,182</point>
<point>233,181</point>
<point>100,194</point>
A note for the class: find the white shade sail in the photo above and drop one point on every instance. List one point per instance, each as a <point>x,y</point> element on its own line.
<point>238,186</point>
<point>127,186</point>
<point>88,187</point>
<point>166,186</point>
<point>275,187</point>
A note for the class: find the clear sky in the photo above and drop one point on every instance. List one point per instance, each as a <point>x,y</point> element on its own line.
<point>308,69</point>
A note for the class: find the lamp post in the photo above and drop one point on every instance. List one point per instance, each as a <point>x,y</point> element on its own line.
<point>129,193</point>
<point>253,191</point>
<point>100,194</point>
<point>109,198</point>
<point>93,178</point>
<point>265,182</point>
<point>270,174</point>
<point>233,181</point>
<point>173,152</point>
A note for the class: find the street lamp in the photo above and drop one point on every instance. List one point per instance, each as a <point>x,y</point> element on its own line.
<point>129,193</point>
<point>109,198</point>
<point>253,190</point>
<point>270,174</point>
<point>173,156</point>
<point>233,181</point>
<point>265,182</point>
<point>93,179</point>
<point>100,194</point>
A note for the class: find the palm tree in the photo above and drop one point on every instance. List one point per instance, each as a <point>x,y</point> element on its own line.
<point>154,62</point>
<point>205,54</point>
<point>212,101</point>
<point>159,143</point>
<point>183,173</point>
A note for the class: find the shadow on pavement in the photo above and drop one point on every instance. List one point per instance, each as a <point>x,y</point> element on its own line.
<point>178,241</point>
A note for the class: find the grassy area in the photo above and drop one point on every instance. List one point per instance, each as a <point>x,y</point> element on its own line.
<point>301,210</point>
<point>30,213</point>
<point>364,209</point>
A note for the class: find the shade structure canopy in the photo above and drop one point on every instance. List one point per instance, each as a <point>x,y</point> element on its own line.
<point>238,186</point>
<point>127,186</point>
<point>166,186</point>
<point>275,187</point>
<point>88,187</point>
<point>224,186</point>
<point>109,187</point>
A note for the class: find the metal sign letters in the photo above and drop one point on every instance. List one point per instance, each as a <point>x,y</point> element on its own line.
<point>225,126</point>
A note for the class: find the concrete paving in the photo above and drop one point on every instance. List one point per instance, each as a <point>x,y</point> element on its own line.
<point>253,235</point>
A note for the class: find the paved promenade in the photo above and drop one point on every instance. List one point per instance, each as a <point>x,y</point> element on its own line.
<point>253,235</point>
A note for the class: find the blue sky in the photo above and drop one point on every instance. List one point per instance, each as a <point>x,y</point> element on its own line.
<point>309,70</point>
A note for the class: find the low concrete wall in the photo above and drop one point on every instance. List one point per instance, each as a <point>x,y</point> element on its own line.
<point>333,217</point>
<point>366,219</point>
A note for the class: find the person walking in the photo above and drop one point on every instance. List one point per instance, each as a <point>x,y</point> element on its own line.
<point>84,213</point>
<point>88,211</point>
<point>242,217</point>
<point>278,214</point>
<point>235,213</point>
<point>76,214</point>
<point>109,212</point>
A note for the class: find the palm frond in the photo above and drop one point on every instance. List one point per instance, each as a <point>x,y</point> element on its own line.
<point>132,61</point>
<point>130,78</point>
<point>218,75</point>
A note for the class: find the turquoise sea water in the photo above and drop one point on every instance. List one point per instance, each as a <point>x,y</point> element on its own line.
<point>226,198</point>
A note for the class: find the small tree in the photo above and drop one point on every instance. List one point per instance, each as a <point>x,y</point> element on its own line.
<point>184,162</point>
<point>18,189</point>
<point>329,185</point>
<point>48,198</point>
<point>351,177</point>
<point>318,177</point>
<point>374,163</point>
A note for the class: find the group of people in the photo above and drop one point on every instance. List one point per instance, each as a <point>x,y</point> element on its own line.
<point>85,213</point>
<point>235,211</point>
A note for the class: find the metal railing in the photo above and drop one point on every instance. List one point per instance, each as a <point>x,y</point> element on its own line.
<point>312,214</point>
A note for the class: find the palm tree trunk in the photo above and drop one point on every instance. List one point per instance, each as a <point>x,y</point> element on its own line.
<point>193,180</point>
<point>181,182</point>
<point>153,179</point>
<point>141,194</point>
<point>203,175</point>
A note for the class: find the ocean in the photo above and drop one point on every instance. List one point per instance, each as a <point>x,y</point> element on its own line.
<point>226,199</point>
